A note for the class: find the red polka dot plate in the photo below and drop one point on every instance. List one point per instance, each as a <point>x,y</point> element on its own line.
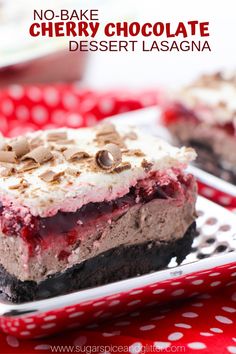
<point>211,264</point>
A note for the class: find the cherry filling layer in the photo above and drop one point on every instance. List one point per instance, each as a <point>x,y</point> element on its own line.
<point>177,113</point>
<point>68,228</point>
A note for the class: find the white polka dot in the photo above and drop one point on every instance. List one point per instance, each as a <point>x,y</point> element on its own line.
<point>74,120</point>
<point>161,345</point>
<point>7,107</point>
<point>208,192</point>
<point>233,297</point>
<point>228,309</point>
<point>232,349</point>
<point>22,113</point>
<point>197,282</point>
<point>49,325</point>
<point>16,91</point>
<point>157,318</point>
<point>158,291</point>
<point>31,326</point>
<point>25,333</point>
<point>135,302</point>
<point>197,304</point>
<point>90,119</point>
<point>147,327</point>
<point>70,309</point>
<point>28,320</point>
<point>42,347</point>
<point>206,334</point>
<point>197,345</point>
<point>177,292</point>
<point>233,274</point>
<point>34,94</point>
<point>39,114</point>
<point>122,323</point>
<point>214,274</point>
<point>215,283</point>
<point>183,325</point>
<point>225,200</point>
<point>58,117</point>
<point>50,318</point>
<point>175,336</point>
<point>216,330</point>
<point>223,319</point>
<point>114,303</point>
<point>51,96</point>
<point>190,315</point>
<point>111,334</point>
<point>135,348</point>
<point>70,101</point>
<point>97,314</point>
<point>175,283</point>
<point>234,339</point>
<point>80,341</point>
<point>106,105</point>
<point>12,341</point>
<point>76,314</point>
<point>99,303</point>
<point>136,292</point>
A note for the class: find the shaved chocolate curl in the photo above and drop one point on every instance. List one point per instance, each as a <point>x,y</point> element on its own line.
<point>75,153</point>
<point>109,157</point>
<point>8,156</point>
<point>20,146</point>
<point>40,154</point>
<point>51,176</point>
<point>57,136</point>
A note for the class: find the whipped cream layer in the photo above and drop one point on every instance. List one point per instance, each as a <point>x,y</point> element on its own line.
<point>82,182</point>
<point>212,97</point>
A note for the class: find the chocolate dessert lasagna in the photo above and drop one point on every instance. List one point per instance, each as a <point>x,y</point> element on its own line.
<point>82,208</point>
<point>204,117</point>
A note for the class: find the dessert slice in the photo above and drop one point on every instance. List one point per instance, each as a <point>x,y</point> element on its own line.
<point>204,117</point>
<point>81,208</point>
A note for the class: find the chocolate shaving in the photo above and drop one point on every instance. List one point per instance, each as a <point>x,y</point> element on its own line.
<point>8,171</point>
<point>146,165</point>
<point>57,136</point>
<point>135,152</point>
<point>20,146</point>
<point>36,142</point>
<point>21,185</point>
<point>50,176</point>
<point>109,157</point>
<point>72,172</point>
<point>105,128</point>
<point>40,154</point>
<point>130,136</point>
<point>28,166</point>
<point>122,167</point>
<point>74,153</point>
<point>8,156</point>
<point>65,142</point>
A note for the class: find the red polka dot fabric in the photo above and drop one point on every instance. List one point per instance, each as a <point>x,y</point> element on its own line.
<point>206,323</point>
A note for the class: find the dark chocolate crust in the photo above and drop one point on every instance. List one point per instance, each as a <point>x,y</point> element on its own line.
<point>119,263</point>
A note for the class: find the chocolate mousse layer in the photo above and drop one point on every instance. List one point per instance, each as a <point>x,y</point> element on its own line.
<point>216,148</point>
<point>119,263</point>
